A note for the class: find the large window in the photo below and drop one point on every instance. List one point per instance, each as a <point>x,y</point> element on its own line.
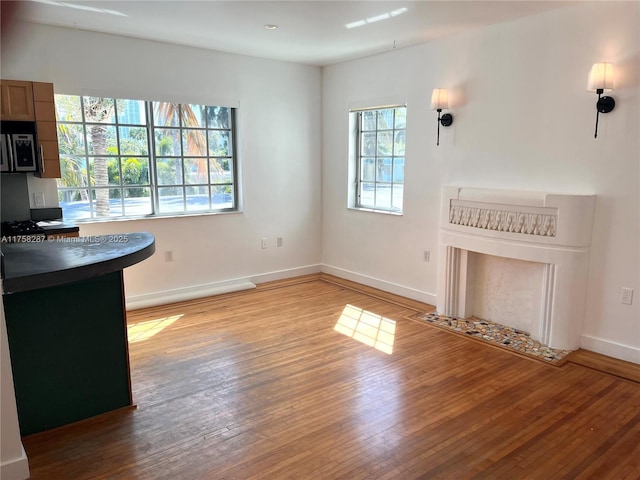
<point>131,158</point>
<point>380,143</point>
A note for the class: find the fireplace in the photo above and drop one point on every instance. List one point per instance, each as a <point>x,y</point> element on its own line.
<point>549,233</point>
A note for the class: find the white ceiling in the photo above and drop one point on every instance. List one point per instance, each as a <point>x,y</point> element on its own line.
<point>310,32</point>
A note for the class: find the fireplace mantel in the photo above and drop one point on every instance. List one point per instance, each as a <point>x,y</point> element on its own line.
<point>550,228</point>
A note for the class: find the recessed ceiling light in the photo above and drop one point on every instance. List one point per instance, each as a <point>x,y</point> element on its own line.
<point>271,27</point>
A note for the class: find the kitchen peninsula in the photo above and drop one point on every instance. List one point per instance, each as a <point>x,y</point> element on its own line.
<point>66,324</point>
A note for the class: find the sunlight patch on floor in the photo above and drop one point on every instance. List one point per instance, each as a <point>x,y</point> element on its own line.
<point>367,327</point>
<point>141,331</point>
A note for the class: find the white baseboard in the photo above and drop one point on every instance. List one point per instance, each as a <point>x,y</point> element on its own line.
<point>188,293</point>
<point>288,273</point>
<point>15,469</point>
<point>164,297</point>
<point>611,349</point>
<point>390,287</point>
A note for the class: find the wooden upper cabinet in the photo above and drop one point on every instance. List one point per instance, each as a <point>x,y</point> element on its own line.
<point>42,92</point>
<point>50,167</point>
<point>45,116</point>
<point>34,102</point>
<point>17,100</point>
<point>47,131</point>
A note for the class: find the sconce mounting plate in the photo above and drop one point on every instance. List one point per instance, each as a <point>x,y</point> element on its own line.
<point>447,119</point>
<point>605,104</point>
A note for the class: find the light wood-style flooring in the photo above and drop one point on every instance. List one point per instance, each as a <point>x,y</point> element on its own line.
<point>311,379</point>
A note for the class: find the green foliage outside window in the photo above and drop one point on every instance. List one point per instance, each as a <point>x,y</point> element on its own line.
<point>113,149</point>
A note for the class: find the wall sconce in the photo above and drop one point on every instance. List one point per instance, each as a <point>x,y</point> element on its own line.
<point>600,81</point>
<point>440,100</point>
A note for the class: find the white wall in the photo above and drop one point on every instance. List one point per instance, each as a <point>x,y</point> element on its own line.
<point>522,120</point>
<point>279,151</point>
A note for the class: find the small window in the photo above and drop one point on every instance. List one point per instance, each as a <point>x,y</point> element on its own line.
<point>380,158</point>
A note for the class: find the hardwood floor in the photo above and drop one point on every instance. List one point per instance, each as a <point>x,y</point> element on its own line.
<point>261,384</point>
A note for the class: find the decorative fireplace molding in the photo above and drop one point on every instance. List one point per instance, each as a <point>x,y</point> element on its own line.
<point>551,229</point>
<point>524,220</point>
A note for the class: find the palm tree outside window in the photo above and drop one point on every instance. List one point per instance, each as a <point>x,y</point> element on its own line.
<point>132,158</point>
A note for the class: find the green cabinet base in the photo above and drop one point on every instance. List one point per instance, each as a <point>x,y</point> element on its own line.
<point>69,352</point>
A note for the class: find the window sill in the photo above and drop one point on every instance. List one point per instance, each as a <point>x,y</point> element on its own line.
<point>372,210</point>
<point>89,221</point>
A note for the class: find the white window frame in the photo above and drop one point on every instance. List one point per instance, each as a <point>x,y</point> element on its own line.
<point>356,138</point>
<point>153,184</point>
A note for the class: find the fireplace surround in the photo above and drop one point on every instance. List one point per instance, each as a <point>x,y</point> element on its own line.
<point>548,228</point>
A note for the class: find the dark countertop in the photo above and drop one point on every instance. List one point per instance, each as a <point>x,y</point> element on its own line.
<point>30,266</point>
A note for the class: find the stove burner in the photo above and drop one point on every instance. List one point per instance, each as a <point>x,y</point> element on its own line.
<point>26,227</point>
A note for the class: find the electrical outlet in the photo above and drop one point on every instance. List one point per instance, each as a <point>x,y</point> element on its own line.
<point>427,256</point>
<point>264,243</point>
<point>626,296</point>
<point>38,199</point>
<point>279,241</point>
